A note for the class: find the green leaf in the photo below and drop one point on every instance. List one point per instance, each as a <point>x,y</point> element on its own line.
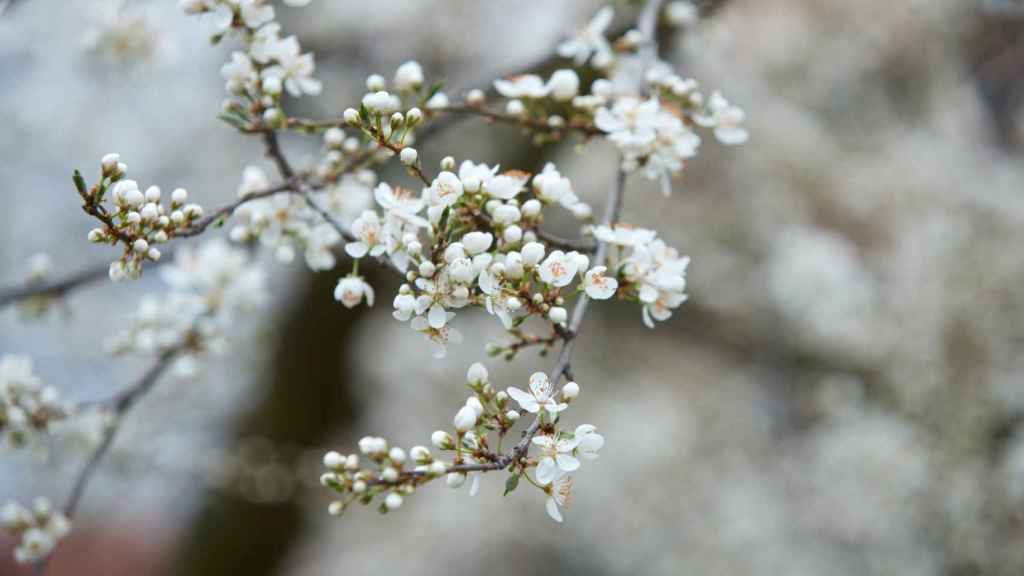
<point>511,484</point>
<point>80,183</point>
<point>434,89</point>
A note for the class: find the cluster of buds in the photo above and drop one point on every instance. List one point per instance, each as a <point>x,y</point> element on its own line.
<point>474,448</point>
<point>38,529</point>
<point>27,407</point>
<point>390,117</point>
<point>139,221</point>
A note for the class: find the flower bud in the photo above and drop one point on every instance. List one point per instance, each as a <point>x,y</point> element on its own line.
<point>408,156</point>
<point>475,97</point>
<point>455,479</point>
<point>351,116</point>
<point>335,508</point>
<point>179,196</point>
<point>273,117</point>
<point>558,315</point>
<point>477,373</point>
<point>409,76</point>
<point>334,460</point>
<point>513,234</point>
<point>393,501</point>
<point>570,391</point>
<point>477,242</point>
<point>375,83</point>
<point>454,251</point>
<point>515,108</point>
<point>564,84</point>
<point>532,253</point>
<point>334,137</point>
<point>531,208</point>
<point>413,116</point>
<point>512,415</point>
<point>389,474</point>
<point>442,440</point>
<point>448,163</point>
<point>397,455</point>
<point>109,163</point>
<point>465,419</point>
<point>420,454</point>
<point>474,403</point>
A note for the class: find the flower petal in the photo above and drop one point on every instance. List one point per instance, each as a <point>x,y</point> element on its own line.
<point>567,462</point>
<point>552,508</point>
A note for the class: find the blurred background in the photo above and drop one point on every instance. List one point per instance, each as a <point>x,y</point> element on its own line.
<point>841,395</point>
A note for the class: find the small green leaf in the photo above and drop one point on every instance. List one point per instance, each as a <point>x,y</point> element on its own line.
<point>79,183</point>
<point>511,484</point>
<point>434,89</point>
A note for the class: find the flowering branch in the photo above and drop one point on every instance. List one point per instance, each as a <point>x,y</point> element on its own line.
<point>472,238</point>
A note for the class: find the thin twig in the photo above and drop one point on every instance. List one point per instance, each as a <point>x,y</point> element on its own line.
<point>53,289</point>
<point>119,405</point>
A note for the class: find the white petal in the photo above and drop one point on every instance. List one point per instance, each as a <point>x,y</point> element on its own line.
<point>567,462</point>
<point>437,316</point>
<point>546,471</point>
<point>552,508</point>
<point>356,249</point>
<point>528,402</point>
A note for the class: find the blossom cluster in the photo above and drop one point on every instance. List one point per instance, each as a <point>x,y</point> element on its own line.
<point>472,448</point>
<point>470,239</point>
<point>286,222</point>
<point>269,66</point>
<point>139,221</point>
<point>210,285</point>
<point>650,271</point>
<point>654,128</point>
<point>27,407</point>
<point>38,529</point>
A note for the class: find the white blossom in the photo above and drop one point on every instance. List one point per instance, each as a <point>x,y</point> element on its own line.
<point>558,269</point>
<point>540,396</point>
<point>651,138</point>
<point>560,495</point>
<point>564,84</point>
<point>409,76</point>
<point>589,42</point>
<point>557,457</point>
<point>599,286</point>
<point>352,290</point>
<point>524,86</point>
